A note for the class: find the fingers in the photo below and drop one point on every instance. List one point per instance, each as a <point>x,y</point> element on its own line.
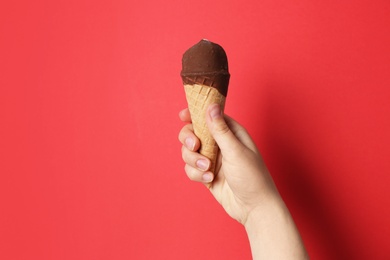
<point>198,176</point>
<point>196,166</point>
<point>195,159</point>
<point>220,130</point>
<point>184,115</point>
<point>188,138</point>
<point>186,135</point>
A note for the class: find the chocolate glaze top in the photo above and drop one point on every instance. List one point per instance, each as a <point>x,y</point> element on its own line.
<point>206,63</point>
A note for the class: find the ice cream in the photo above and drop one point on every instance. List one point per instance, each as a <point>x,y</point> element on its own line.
<point>205,78</point>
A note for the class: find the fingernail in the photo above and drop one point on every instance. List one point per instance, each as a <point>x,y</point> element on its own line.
<point>202,164</point>
<point>215,111</point>
<point>190,143</point>
<point>207,177</point>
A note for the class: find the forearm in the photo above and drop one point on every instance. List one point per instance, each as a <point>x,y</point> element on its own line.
<point>272,233</point>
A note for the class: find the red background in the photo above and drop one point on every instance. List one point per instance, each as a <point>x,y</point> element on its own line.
<point>90,91</point>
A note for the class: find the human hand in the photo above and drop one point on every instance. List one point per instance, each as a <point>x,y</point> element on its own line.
<point>241,182</point>
<point>243,186</point>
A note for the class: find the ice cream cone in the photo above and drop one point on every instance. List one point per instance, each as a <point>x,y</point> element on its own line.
<point>205,78</point>
<point>199,97</point>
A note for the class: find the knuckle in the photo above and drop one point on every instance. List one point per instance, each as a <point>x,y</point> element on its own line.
<point>188,156</point>
<point>191,172</point>
<point>184,133</point>
<point>181,136</point>
<point>222,129</point>
<point>183,153</point>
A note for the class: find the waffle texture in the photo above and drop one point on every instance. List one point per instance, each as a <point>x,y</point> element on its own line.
<point>199,97</point>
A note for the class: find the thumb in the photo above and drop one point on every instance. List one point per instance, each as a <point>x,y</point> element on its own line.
<point>226,140</point>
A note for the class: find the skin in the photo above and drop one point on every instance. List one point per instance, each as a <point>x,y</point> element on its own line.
<point>243,186</point>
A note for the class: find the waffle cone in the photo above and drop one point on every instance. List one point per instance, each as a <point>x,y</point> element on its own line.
<point>199,97</point>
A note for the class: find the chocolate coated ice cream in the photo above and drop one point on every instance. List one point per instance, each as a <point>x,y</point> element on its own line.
<point>206,63</point>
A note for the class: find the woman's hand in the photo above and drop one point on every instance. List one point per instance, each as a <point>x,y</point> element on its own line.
<point>243,186</point>
<point>241,182</point>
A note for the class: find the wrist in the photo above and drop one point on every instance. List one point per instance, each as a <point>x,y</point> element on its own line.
<point>272,233</point>
<point>265,212</point>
